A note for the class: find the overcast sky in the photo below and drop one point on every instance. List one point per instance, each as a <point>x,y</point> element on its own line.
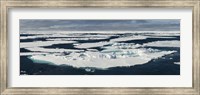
<point>99,25</point>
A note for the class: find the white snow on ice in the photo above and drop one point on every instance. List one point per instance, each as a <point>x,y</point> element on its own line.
<point>40,49</point>
<point>128,38</point>
<point>102,60</point>
<point>32,53</point>
<point>115,54</point>
<point>42,43</point>
<point>177,63</point>
<point>90,45</point>
<point>174,43</point>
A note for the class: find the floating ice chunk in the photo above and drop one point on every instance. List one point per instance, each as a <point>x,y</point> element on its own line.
<point>75,38</point>
<point>43,36</point>
<point>128,38</point>
<point>177,63</point>
<point>90,45</point>
<point>31,53</point>
<point>42,43</point>
<point>76,44</point>
<point>111,50</point>
<point>40,49</point>
<point>103,60</point>
<point>123,46</point>
<point>168,36</point>
<point>23,71</point>
<point>89,70</point>
<point>174,43</point>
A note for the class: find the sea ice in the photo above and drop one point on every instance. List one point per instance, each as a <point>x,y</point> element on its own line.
<point>174,43</point>
<point>103,60</point>
<point>114,53</point>
<point>42,43</point>
<point>55,50</point>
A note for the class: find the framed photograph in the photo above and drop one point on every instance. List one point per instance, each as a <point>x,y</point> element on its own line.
<point>64,47</point>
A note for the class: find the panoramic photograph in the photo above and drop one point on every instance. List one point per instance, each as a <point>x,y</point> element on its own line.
<point>99,47</point>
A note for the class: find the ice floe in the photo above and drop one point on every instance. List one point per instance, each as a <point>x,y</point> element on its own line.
<point>42,43</point>
<point>90,45</point>
<point>128,38</point>
<point>40,49</point>
<point>103,60</point>
<point>174,43</point>
<point>177,63</point>
<point>32,53</point>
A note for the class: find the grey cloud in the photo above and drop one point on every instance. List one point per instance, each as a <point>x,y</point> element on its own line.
<point>100,25</point>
